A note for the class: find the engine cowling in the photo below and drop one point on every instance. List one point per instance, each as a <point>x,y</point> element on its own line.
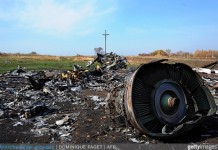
<point>163,100</point>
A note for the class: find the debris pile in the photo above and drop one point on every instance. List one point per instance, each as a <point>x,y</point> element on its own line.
<point>110,61</point>
<point>52,100</point>
<point>209,74</point>
<point>75,105</point>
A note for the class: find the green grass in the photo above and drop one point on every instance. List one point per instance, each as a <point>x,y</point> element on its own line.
<point>40,62</point>
<point>7,64</point>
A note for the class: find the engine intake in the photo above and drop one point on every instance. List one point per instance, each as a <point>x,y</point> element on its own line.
<point>163,100</point>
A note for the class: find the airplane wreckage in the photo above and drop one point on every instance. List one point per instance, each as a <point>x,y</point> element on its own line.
<point>162,100</point>
<point>159,99</point>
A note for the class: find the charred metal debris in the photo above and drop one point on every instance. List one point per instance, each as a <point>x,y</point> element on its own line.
<point>157,99</point>
<point>162,100</point>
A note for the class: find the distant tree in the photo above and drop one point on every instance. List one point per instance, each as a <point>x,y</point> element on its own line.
<point>33,53</point>
<point>17,53</point>
<point>179,53</point>
<point>197,53</point>
<point>99,50</point>
<point>159,53</point>
<point>168,51</point>
<point>183,54</point>
<point>144,54</point>
<point>206,53</point>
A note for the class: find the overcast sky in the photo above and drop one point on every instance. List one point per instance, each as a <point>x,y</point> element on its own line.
<point>70,27</point>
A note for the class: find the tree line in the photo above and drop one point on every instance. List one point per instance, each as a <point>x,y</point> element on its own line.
<point>196,54</point>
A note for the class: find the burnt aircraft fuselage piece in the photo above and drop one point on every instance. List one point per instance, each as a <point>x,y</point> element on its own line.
<point>163,100</point>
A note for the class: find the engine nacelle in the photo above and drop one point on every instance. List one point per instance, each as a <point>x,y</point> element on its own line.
<point>162,100</point>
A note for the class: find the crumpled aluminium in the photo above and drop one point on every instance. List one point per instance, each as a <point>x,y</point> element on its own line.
<point>35,96</point>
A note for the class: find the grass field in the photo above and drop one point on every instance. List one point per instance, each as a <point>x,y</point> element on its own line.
<point>40,62</point>
<point>11,62</point>
<point>193,62</point>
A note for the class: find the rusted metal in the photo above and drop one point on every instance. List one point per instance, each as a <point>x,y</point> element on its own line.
<point>158,61</point>
<point>212,65</point>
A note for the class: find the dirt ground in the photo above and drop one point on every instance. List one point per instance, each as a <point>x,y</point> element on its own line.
<point>93,126</point>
